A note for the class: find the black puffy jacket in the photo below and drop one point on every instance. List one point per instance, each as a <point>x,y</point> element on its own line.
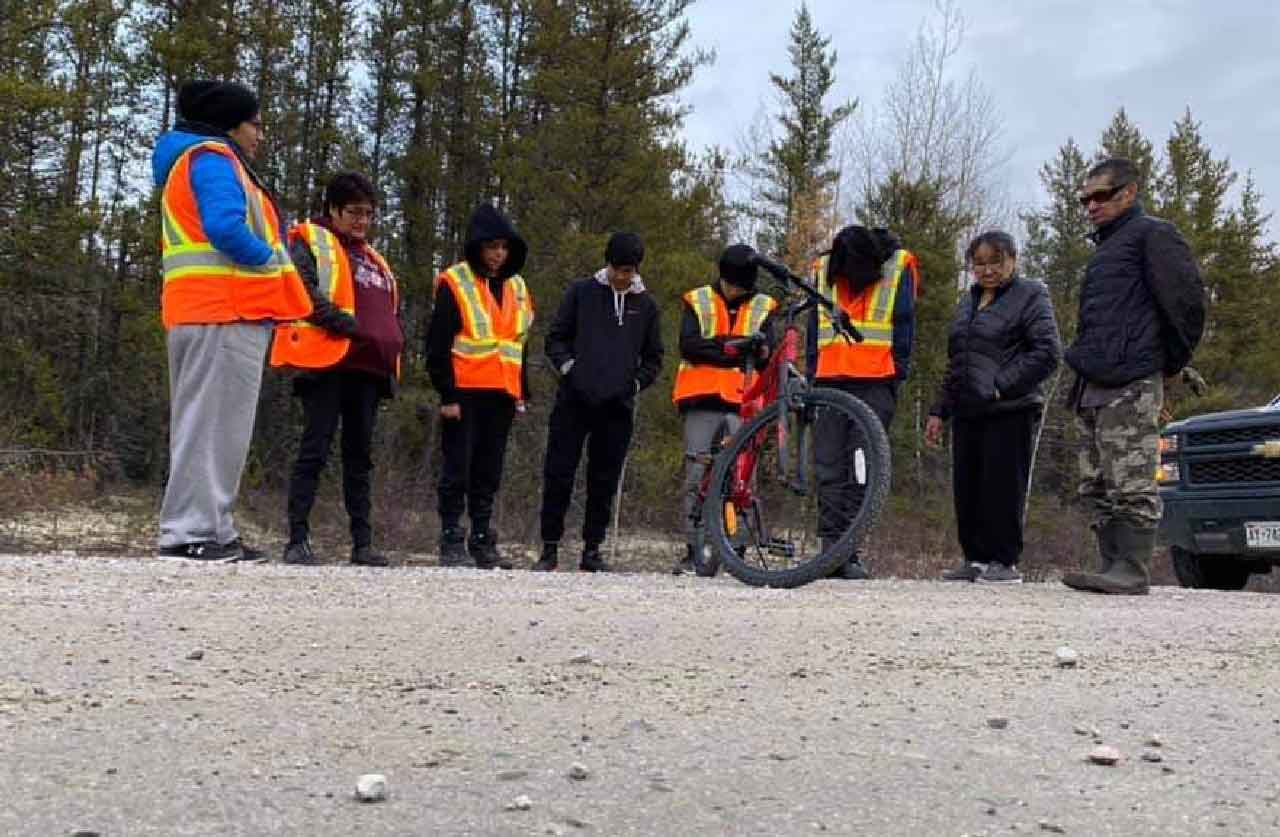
<point>1141,304</point>
<point>1011,346</point>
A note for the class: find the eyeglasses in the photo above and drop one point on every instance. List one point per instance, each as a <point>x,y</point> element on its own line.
<point>359,213</point>
<point>978,267</point>
<point>1102,195</point>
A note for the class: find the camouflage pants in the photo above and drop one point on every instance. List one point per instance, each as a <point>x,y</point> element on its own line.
<point>1119,459</point>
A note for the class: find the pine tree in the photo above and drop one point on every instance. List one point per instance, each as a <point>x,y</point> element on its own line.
<point>797,166</point>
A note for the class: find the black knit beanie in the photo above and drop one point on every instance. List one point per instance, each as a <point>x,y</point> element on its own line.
<point>624,248</point>
<point>219,104</point>
<point>738,266</point>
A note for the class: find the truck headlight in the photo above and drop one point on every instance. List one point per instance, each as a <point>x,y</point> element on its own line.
<point>1169,444</point>
<point>1168,472</point>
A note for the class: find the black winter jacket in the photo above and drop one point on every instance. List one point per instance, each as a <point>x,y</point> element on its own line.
<point>1141,304</point>
<point>1010,347</point>
<point>612,360</point>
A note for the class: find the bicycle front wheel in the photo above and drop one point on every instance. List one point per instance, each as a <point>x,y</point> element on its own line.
<point>797,489</point>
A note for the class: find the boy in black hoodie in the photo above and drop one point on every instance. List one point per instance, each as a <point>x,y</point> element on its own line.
<point>606,345</point>
<point>476,347</point>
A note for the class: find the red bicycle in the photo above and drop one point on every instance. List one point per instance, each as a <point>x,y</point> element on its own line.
<point>796,489</point>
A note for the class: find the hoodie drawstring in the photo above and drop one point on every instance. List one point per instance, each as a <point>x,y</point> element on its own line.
<point>619,304</point>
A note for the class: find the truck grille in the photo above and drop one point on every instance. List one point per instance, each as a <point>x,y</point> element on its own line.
<point>1235,470</point>
<point>1234,435</point>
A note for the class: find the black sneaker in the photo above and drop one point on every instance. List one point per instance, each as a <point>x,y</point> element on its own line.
<point>248,554</point>
<point>300,553</point>
<point>211,551</point>
<point>550,559</point>
<point>483,549</point>
<point>366,557</point>
<point>852,570</point>
<point>453,548</point>
<point>997,573</point>
<point>968,571</point>
<point>593,562</point>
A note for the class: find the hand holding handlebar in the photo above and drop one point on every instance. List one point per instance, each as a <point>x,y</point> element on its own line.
<point>839,319</point>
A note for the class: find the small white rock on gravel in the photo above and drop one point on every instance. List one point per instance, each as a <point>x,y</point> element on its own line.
<point>371,787</point>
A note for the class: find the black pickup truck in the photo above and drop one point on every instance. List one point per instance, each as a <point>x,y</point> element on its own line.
<point>1219,478</point>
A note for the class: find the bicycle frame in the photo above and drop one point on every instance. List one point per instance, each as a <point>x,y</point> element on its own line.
<point>780,379</point>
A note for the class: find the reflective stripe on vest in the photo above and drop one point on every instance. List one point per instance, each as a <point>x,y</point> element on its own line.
<point>304,344</point>
<point>488,352</point>
<point>203,285</point>
<point>871,313</point>
<point>699,380</point>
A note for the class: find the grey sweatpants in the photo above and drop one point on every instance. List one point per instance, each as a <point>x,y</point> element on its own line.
<point>701,430</point>
<point>215,372</point>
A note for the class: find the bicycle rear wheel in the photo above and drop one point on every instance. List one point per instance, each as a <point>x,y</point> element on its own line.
<point>797,489</point>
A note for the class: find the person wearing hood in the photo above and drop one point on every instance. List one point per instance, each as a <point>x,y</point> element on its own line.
<point>227,278</point>
<point>874,281</point>
<point>476,347</point>
<point>708,387</point>
<point>349,351</point>
<point>606,345</point>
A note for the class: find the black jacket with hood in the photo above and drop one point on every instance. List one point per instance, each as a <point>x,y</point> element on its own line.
<point>605,344</point>
<point>486,224</point>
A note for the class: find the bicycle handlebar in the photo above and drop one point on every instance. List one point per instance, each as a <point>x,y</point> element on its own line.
<point>839,319</point>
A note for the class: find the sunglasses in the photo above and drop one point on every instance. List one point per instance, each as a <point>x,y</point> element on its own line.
<point>1101,195</point>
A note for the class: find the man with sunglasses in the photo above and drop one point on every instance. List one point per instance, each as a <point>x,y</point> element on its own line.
<point>1141,316</point>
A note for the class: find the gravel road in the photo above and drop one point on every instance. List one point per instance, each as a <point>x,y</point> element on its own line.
<point>143,697</point>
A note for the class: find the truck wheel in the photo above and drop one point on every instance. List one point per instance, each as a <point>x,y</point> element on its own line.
<point>1220,572</point>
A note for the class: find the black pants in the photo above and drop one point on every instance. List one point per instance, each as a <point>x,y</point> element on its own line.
<point>327,399</point>
<point>572,422</point>
<point>474,448</point>
<point>991,461</point>
<point>835,442</point>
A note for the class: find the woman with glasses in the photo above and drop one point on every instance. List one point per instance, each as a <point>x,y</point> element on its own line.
<point>1002,345</point>
<point>349,351</point>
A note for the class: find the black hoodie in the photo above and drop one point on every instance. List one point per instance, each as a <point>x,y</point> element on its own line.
<point>486,224</point>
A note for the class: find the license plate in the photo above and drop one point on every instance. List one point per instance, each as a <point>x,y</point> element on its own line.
<point>1262,535</point>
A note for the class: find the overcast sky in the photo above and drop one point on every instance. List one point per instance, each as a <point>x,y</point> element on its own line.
<point>1056,68</point>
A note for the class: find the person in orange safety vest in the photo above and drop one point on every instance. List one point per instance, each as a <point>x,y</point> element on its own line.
<point>476,347</point>
<point>348,352</point>
<point>708,387</point>
<point>227,279</point>
<point>875,281</point>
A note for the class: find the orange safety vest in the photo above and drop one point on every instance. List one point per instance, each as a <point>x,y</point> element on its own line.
<point>305,345</point>
<point>871,312</point>
<point>489,350</point>
<point>201,284</point>
<point>700,380</point>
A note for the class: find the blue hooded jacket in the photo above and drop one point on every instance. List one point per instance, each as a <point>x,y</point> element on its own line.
<point>219,197</point>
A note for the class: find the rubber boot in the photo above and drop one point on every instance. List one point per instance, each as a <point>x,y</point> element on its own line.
<point>1130,570</point>
<point>1105,533</point>
<point>549,560</point>
<point>453,548</point>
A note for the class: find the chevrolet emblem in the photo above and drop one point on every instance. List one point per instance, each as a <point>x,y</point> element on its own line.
<point>1269,449</point>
